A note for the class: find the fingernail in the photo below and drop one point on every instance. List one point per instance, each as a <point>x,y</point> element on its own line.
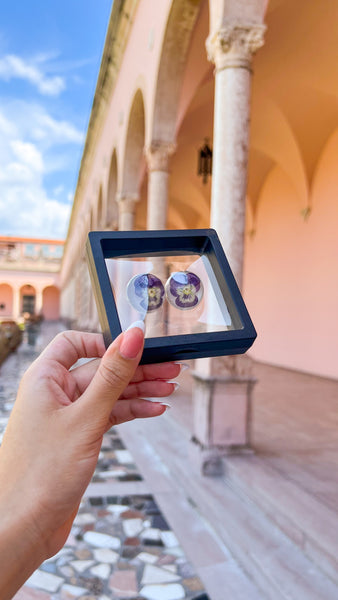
<point>155,401</point>
<point>139,324</point>
<point>166,404</point>
<point>132,341</point>
<point>176,384</point>
<point>183,366</point>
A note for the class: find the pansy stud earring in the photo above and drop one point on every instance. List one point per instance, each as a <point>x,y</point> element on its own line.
<point>184,290</point>
<point>145,292</point>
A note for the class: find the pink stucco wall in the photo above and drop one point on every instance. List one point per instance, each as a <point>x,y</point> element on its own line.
<point>291,285</point>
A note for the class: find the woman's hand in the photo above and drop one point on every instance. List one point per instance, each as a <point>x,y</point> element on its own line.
<point>54,435</point>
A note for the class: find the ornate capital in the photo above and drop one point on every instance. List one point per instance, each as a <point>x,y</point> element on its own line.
<point>234,45</point>
<point>127,201</point>
<point>158,155</point>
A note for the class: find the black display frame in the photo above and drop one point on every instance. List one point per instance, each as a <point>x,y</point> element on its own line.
<point>129,244</point>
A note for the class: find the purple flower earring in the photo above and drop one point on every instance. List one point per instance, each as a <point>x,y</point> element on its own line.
<point>184,290</point>
<point>145,292</point>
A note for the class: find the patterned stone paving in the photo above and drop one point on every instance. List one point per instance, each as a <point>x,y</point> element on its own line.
<point>120,547</point>
<point>115,462</point>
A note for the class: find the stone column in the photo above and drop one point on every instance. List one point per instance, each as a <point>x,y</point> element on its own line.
<point>16,303</point>
<point>231,49</point>
<point>158,155</point>
<point>223,386</point>
<point>127,207</point>
<point>38,302</point>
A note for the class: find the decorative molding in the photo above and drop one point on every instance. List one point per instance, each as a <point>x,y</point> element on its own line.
<point>234,45</point>
<point>158,155</point>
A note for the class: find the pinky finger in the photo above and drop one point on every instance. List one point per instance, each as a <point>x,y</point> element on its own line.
<point>135,409</point>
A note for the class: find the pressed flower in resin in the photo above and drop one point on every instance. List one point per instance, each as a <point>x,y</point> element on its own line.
<point>184,290</point>
<point>145,292</point>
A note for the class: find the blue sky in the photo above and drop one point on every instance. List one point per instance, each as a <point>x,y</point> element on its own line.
<point>50,54</point>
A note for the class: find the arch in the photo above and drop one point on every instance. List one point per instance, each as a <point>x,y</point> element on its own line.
<point>6,300</point>
<point>27,299</point>
<point>99,210</point>
<point>132,164</point>
<point>51,303</point>
<point>111,217</point>
<point>329,149</point>
<point>181,21</point>
<point>91,219</point>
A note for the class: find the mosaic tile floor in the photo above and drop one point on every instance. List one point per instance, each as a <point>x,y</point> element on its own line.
<point>120,547</point>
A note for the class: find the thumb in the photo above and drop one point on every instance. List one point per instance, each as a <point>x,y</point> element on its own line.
<point>116,369</point>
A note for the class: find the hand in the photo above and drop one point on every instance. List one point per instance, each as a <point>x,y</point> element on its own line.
<point>54,435</point>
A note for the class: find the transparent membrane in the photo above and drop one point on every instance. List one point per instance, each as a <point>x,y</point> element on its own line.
<point>191,309</point>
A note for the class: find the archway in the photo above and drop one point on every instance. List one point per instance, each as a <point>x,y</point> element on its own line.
<point>133,156</point>
<point>99,214</point>
<point>181,21</point>
<point>111,218</point>
<point>27,299</point>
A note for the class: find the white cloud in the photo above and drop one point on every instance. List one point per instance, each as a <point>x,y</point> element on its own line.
<point>14,67</point>
<point>26,206</point>
<point>28,154</point>
<point>36,215</point>
<point>61,131</point>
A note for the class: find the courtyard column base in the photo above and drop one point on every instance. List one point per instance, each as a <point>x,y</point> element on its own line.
<point>222,405</point>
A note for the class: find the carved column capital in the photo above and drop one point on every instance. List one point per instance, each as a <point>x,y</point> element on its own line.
<point>158,155</point>
<point>234,45</point>
<point>127,201</point>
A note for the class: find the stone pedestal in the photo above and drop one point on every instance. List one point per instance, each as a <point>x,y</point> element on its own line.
<point>222,402</point>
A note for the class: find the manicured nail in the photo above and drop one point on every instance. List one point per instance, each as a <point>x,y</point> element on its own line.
<point>183,366</point>
<point>139,324</point>
<point>176,384</point>
<point>166,404</point>
<point>132,341</point>
<point>155,401</point>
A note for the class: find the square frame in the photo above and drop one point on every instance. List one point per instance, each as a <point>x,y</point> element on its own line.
<point>133,244</point>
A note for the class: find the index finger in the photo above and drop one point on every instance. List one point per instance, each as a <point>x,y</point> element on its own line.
<point>69,346</point>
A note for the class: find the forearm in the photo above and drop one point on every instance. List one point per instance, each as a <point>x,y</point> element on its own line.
<point>21,550</point>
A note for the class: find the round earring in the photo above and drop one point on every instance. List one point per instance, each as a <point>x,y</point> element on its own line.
<point>184,290</point>
<point>145,292</point>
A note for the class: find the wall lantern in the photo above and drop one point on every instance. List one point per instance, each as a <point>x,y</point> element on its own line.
<point>204,167</point>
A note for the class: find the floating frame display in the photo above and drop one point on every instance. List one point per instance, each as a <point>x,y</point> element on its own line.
<point>216,323</point>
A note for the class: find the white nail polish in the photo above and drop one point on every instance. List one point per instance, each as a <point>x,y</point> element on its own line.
<point>157,401</point>
<point>139,324</point>
<point>183,366</point>
<point>176,384</point>
<point>166,404</point>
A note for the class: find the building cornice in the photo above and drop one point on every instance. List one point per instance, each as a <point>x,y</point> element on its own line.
<point>119,27</point>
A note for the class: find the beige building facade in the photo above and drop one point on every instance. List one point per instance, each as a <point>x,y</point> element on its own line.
<point>258,80</point>
<point>29,278</point>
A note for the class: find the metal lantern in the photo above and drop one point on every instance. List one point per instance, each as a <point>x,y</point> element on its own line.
<point>205,161</point>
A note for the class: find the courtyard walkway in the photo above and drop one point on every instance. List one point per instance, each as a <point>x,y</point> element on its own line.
<point>121,545</point>
<point>152,527</point>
